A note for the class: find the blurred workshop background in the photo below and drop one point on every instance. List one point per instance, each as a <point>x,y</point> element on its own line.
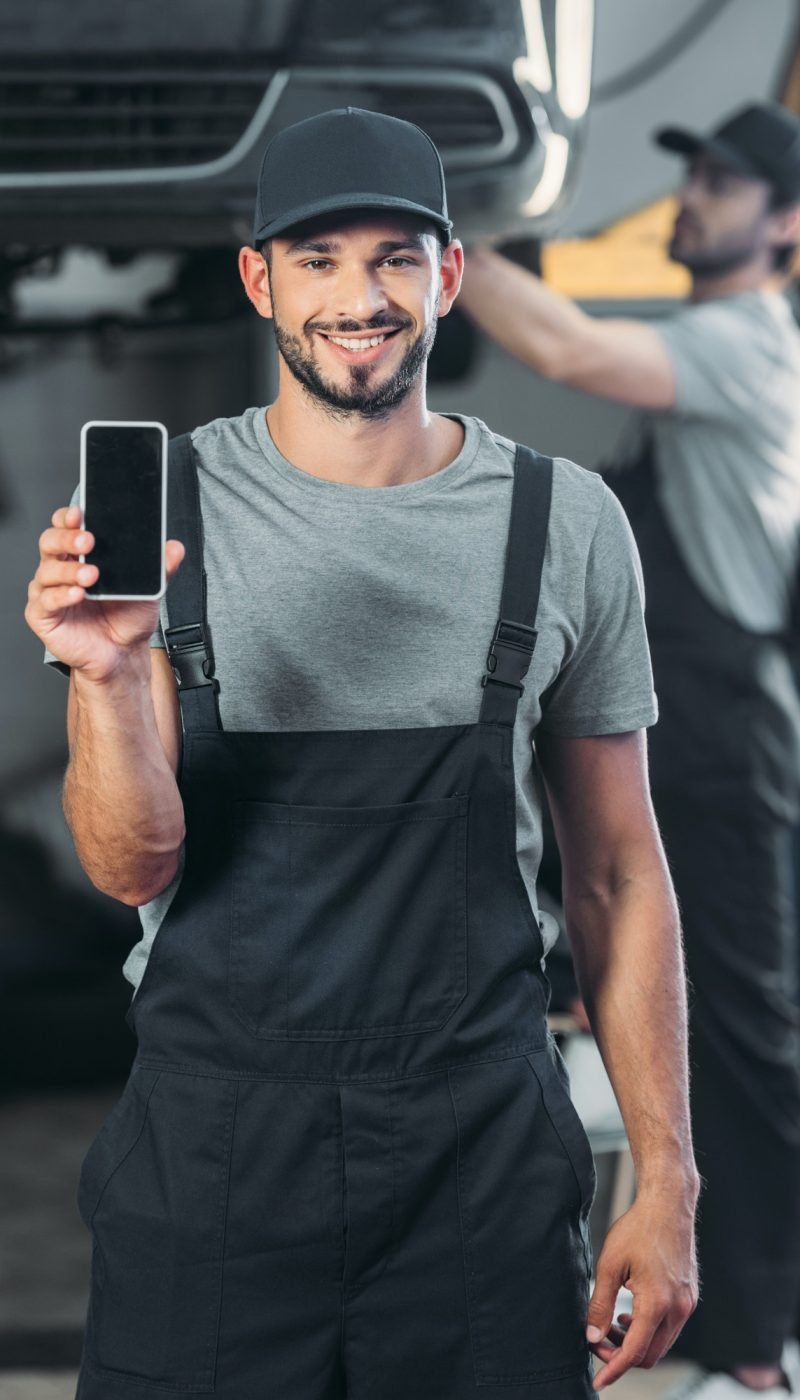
<point>130,138</point>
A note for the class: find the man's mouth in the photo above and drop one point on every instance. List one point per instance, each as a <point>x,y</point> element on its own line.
<point>684,224</point>
<point>360,348</point>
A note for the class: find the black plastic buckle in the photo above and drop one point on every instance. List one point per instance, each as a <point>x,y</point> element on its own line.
<point>510,654</point>
<point>191,658</point>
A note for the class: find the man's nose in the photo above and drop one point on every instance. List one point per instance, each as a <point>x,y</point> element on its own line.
<point>360,294</point>
<point>692,191</point>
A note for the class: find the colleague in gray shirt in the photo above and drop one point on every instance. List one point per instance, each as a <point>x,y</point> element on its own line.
<point>711,484</point>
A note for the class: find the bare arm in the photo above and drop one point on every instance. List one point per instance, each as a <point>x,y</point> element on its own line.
<point>623,927</point>
<point>618,359</point>
<point>121,798</point>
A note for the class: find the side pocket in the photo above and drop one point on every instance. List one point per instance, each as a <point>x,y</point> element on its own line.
<point>155,1191</point>
<point>553,1079</point>
<point>115,1139</point>
<point>523,1228</point>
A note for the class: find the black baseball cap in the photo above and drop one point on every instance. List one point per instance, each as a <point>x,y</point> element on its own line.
<point>761,140</point>
<point>349,159</point>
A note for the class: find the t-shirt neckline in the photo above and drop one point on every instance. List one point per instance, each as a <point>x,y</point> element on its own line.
<point>375,495</point>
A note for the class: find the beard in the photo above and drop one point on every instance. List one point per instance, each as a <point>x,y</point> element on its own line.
<point>360,396</point>
<point>714,261</point>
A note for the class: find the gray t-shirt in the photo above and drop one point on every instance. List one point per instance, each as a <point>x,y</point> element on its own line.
<point>728,453</point>
<point>347,607</point>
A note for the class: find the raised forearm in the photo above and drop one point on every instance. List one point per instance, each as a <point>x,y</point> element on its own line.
<point>624,931</point>
<point>621,359</point>
<point>121,799</point>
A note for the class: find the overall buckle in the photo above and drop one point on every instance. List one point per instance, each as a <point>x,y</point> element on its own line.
<point>190,655</point>
<point>510,654</point>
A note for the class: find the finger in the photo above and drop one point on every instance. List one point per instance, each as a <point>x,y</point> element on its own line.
<point>174,555</point>
<point>663,1338</point>
<point>68,517</point>
<point>606,1349</point>
<point>52,573</point>
<point>600,1314</point>
<point>60,542</point>
<point>633,1351</point>
<point>56,600</point>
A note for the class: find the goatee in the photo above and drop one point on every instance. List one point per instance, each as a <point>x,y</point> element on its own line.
<point>359,396</point>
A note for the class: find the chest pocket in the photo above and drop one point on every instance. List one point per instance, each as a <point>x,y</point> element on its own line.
<point>348,922</point>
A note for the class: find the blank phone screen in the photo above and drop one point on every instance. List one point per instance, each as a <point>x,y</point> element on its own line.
<point>123,507</point>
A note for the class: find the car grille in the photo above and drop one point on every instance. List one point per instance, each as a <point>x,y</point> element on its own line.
<point>70,117</point>
<point>456,118</point>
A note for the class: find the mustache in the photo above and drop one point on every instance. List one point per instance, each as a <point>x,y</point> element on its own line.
<point>688,221</point>
<point>377,324</point>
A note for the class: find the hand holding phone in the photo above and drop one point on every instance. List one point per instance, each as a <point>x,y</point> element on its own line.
<point>123,500</point>
<point>72,605</point>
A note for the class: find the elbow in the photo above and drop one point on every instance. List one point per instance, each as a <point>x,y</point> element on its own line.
<point>158,880</point>
<point>135,888</point>
<point>557,362</point>
<point>142,894</point>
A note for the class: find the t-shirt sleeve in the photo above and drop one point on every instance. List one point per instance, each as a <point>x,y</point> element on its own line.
<point>712,361</point>
<point>157,639</point>
<point>606,686</point>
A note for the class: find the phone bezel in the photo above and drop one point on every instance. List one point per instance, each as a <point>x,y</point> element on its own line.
<point>127,423</point>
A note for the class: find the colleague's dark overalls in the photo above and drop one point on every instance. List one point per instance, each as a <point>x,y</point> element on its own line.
<point>725,774</point>
<point>346,1162</point>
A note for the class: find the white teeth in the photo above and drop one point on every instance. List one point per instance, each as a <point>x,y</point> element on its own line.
<point>358,344</point>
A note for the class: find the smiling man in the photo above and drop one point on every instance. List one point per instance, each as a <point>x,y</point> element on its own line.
<point>346,1163</point>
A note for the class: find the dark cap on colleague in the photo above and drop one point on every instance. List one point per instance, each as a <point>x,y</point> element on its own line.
<point>346,159</point>
<point>761,140</point>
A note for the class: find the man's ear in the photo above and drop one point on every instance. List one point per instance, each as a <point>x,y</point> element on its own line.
<point>450,274</point>
<point>254,273</point>
<point>784,226</point>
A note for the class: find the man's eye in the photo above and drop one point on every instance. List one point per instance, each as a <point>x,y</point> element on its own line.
<point>397,261</point>
<point>315,263</point>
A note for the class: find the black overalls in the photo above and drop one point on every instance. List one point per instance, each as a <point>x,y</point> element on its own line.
<point>725,775</point>
<point>346,1162</point>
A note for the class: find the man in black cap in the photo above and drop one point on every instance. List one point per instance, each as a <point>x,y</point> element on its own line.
<point>712,490</point>
<point>346,1161</point>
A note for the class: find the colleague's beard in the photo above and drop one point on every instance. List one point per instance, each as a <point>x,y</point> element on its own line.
<point>360,396</point>
<point>715,262</point>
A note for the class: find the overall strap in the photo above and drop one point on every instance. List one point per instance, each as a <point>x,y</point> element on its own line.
<point>515,634</point>
<point>187,638</point>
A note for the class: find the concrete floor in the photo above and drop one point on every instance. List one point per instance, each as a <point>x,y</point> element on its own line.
<point>44,1250</point>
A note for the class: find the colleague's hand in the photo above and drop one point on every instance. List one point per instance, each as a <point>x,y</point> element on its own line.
<point>87,635</point>
<point>649,1250</point>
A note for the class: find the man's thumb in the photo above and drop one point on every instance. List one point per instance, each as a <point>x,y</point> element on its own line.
<point>601,1305</point>
<point>175,552</point>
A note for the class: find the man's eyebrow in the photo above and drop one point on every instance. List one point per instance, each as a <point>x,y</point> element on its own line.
<point>313,245</point>
<point>394,245</point>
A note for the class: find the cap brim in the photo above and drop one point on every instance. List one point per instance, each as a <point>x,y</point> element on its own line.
<point>343,203</point>
<point>690,143</point>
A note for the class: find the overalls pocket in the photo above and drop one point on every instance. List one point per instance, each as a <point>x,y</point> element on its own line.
<point>525,1185</point>
<point>348,922</point>
<point>154,1191</point>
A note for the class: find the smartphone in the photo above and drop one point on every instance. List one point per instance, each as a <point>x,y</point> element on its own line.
<point>123,500</point>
